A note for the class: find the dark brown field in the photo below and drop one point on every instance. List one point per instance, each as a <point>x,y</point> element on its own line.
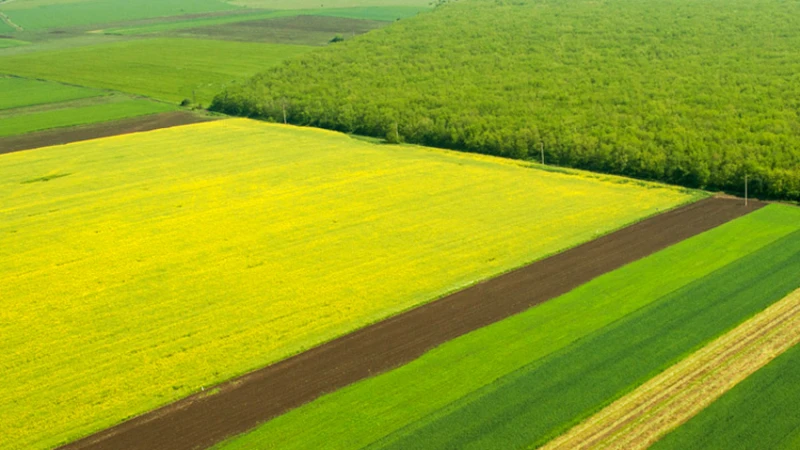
<point>62,136</point>
<point>203,420</point>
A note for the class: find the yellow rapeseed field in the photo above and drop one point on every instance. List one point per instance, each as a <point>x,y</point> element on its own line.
<point>137,269</point>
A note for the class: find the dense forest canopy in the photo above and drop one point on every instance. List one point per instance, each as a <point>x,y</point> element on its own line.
<point>697,93</point>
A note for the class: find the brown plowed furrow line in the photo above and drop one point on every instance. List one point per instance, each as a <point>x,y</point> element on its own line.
<point>240,405</point>
<point>61,136</point>
<point>639,419</point>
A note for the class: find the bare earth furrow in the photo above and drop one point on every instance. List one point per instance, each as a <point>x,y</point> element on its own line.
<point>670,399</point>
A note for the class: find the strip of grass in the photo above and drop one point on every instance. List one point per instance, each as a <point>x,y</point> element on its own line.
<point>540,401</point>
<point>19,92</point>
<point>180,258</point>
<point>367,411</point>
<point>167,69</point>
<point>760,412</point>
<point>105,112</point>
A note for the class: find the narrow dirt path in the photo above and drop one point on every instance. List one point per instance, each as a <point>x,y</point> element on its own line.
<point>201,421</point>
<point>639,419</point>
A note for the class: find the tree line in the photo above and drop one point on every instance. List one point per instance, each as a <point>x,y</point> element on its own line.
<point>695,93</point>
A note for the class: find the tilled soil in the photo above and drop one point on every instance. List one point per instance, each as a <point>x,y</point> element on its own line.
<point>63,136</point>
<point>239,405</point>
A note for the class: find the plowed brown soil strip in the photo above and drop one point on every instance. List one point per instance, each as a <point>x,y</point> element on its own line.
<point>62,136</point>
<point>240,405</point>
<point>639,419</point>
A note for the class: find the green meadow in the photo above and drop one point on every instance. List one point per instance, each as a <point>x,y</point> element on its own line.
<point>166,69</point>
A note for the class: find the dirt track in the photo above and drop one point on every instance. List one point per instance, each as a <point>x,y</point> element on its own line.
<point>62,136</point>
<point>201,421</point>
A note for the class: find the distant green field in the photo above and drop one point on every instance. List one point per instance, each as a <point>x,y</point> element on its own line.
<point>105,112</point>
<point>19,92</point>
<point>44,14</point>
<point>6,43</point>
<point>167,69</point>
<point>369,411</point>
<point>760,412</point>
<point>382,13</point>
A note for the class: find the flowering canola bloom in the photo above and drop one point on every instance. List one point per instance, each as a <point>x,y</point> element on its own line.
<point>139,268</point>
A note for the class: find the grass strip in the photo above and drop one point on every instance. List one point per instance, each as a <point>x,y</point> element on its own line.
<point>367,411</point>
<point>639,419</point>
<point>544,399</point>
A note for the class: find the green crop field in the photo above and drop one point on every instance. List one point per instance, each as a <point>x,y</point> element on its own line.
<point>761,412</point>
<point>167,69</point>
<point>447,380</point>
<point>119,255</point>
<point>20,92</point>
<point>79,115</point>
<point>46,14</point>
<point>545,399</point>
<point>698,94</point>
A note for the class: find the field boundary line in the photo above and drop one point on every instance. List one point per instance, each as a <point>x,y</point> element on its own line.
<point>670,399</point>
<point>239,405</point>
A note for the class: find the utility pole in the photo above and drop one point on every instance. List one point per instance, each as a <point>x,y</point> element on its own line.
<point>541,146</point>
<point>745,189</point>
<point>284,113</point>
